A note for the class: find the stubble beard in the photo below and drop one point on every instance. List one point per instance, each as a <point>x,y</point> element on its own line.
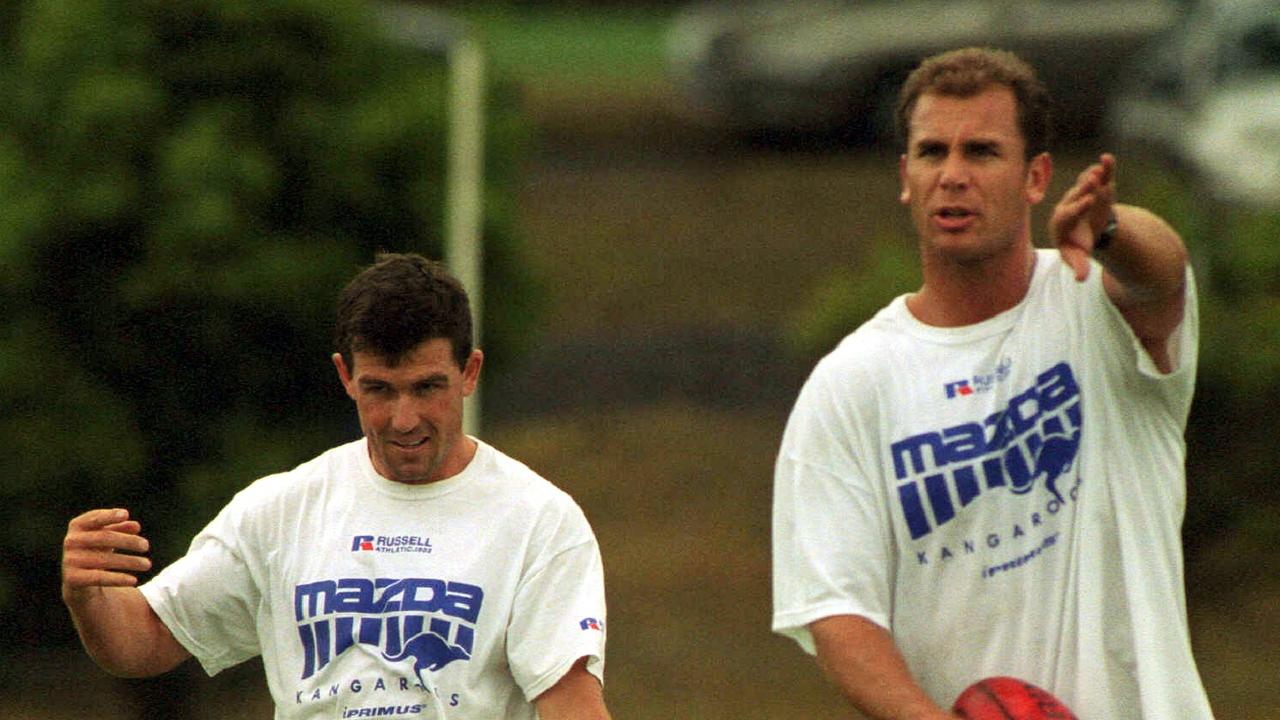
<point>398,471</point>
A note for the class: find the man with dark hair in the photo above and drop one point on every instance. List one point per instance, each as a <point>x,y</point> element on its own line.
<point>987,478</point>
<point>415,572</point>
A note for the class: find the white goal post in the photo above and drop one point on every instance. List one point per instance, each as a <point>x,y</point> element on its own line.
<point>438,33</point>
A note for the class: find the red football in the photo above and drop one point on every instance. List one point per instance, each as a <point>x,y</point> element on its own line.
<point>1006,698</point>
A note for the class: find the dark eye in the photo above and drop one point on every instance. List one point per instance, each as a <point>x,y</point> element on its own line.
<point>930,151</point>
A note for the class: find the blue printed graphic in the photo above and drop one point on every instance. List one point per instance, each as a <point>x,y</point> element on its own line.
<point>382,712</point>
<point>429,652</point>
<point>1037,436</point>
<point>980,383</point>
<point>959,388</point>
<point>429,620</point>
<point>391,544</point>
<point>1055,458</point>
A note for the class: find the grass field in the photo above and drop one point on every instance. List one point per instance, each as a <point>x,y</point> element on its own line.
<point>583,46</point>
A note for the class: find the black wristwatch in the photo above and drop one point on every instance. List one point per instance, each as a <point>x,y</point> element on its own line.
<point>1107,235</point>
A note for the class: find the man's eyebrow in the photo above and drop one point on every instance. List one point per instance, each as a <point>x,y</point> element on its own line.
<point>432,378</point>
<point>983,144</point>
<point>927,144</point>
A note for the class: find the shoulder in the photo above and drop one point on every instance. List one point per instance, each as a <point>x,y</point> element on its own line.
<point>1055,280</point>
<point>285,494</point>
<point>841,396</point>
<point>518,485</point>
<point>531,511</point>
<point>865,353</point>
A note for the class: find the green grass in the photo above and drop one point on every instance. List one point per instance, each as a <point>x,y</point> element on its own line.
<point>571,44</point>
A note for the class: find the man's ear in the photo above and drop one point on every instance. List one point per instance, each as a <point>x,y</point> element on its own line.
<point>471,372</point>
<point>905,197</point>
<point>1039,173</point>
<point>344,374</point>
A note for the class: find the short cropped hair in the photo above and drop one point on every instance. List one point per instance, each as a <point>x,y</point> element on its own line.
<point>969,71</point>
<point>399,302</point>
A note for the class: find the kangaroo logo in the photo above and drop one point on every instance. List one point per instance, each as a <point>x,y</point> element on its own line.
<point>429,652</point>
<point>1055,458</point>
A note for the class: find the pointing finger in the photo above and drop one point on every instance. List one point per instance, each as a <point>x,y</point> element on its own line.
<point>1108,164</point>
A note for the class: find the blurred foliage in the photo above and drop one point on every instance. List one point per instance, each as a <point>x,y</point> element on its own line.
<point>850,295</point>
<point>1233,498</point>
<point>1233,508</point>
<point>187,185</point>
<point>1233,461</point>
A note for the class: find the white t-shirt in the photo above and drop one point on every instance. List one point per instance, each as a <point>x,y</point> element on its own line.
<point>361,593</point>
<point>1006,498</point>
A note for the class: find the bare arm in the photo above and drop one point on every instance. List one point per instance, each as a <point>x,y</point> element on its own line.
<point>119,629</point>
<point>576,696</point>
<point>860,657</point>
<point>1145,264</point>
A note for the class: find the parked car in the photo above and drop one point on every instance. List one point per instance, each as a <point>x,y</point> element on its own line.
<point>822,65</point>
<point>1207,98</point>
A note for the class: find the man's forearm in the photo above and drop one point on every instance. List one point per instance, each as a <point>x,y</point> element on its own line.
<point>1147,258</point>
<point>861,658</point>
<point>576,696</point>
<point>1146,271</point>
<point>122,633</point>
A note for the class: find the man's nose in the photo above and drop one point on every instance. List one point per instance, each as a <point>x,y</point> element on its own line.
<point>954,172</point>
<point>404,415</point>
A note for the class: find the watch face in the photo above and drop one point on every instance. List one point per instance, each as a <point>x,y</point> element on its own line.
<point>1107,234</point>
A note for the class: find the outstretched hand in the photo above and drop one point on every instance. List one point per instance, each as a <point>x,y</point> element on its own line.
<point>1083,213</point>
<point>100,550</point>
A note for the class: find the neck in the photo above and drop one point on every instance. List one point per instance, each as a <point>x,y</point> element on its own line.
<point>958,293</point>
<point>459,460</point>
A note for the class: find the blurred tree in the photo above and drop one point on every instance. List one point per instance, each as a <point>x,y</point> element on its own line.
<point>187,185</point>
<point>851,294</point>
<point>1232,451</point>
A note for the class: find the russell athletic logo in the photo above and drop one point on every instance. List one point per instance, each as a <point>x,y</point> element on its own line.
<point>428,620</point>
<point>980,383</point>
<point>391,544</point>
<point>1035,438</point>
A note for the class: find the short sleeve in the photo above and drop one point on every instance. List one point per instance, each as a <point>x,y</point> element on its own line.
<point>208,600</point>
<point>832,547</point>
<point>1136,366</point>
<point>559,611</point>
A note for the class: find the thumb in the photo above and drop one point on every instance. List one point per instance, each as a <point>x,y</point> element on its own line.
<point>1077,259</point>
